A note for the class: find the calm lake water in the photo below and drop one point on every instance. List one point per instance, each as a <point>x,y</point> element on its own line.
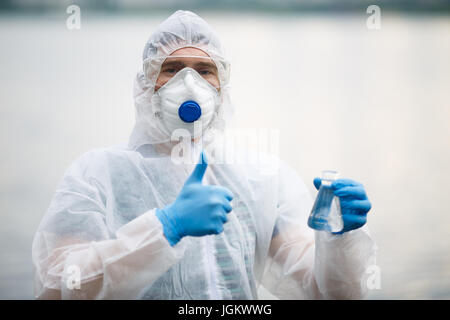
<point>374,105</point>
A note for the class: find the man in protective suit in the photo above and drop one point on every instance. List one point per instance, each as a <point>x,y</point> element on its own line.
<point>132,223</point>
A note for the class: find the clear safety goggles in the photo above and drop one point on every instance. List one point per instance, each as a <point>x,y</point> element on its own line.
<point>168,66</point>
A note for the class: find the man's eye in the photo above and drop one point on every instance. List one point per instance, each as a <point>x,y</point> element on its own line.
<point>205,72</point>
<point>170,70</point>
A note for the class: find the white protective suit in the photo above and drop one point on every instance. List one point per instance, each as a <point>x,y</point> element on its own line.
<point>101,225</point>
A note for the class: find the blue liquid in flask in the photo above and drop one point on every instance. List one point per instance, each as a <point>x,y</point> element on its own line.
<point>326,212</point>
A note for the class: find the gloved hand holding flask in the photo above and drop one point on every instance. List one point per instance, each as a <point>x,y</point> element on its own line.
<point>341,204</point>
<point>198,210</point>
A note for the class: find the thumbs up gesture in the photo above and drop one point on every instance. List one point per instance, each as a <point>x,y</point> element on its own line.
<point>198,209</point>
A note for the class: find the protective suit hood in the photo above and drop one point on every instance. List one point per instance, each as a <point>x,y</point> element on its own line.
<point>181,29</point>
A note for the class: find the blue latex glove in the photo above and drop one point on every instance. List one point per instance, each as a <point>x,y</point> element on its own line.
<point>198,209</point>
<point>353,200</point>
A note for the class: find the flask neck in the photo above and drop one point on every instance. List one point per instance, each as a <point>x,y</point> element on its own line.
<point>328,176</point>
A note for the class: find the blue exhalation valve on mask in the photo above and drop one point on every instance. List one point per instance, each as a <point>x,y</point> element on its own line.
<point>189,111</point>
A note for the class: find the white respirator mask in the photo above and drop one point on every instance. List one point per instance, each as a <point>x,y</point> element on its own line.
<point>184,100</point>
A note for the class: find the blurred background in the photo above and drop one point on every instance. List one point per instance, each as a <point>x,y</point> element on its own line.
<point>370,100</point>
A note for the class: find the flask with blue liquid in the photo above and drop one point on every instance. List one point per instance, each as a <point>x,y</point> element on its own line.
<point>326,212</point>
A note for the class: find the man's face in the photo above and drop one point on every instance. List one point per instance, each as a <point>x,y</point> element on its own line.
<point>203,65</point>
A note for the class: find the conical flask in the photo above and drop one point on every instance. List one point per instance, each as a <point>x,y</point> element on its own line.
<point>326,212</point>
